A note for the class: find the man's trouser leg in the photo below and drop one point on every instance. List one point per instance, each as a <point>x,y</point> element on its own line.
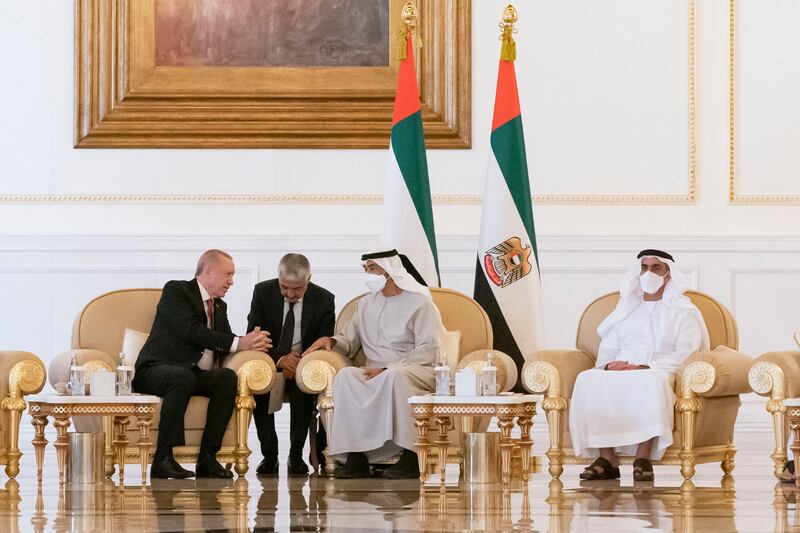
<point>219,386</point>
<point>265,427</point>
<point>302,405</point>
<point>175,385</point>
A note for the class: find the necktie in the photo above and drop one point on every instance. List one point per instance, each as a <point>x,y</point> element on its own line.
<point>210,312</point>
<point>287,332</point>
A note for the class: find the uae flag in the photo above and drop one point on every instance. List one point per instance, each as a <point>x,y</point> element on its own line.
<point>507,282</point>
<point>408,211</point>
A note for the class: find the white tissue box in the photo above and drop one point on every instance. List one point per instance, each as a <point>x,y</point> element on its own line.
<point>467,383</point>
<point>103,383</point>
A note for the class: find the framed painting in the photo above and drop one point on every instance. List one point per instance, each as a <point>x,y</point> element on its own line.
<point>263,73</point>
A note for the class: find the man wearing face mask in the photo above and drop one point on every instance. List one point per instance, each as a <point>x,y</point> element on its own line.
<point>625,404</point>
<point>399,329</point>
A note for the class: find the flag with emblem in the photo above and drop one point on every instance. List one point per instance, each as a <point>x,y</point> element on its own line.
<point>408,211</point>
<point>507,282</point>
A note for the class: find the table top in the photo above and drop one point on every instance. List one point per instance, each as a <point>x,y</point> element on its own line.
<point>502,399</point>
<point>791,402</point>
<point>65,399</point>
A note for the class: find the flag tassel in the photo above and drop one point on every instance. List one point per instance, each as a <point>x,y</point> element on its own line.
<point>508,50</point>
<point>408,27</point>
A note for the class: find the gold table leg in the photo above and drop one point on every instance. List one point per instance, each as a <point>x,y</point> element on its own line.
<point>108,429</point>
<point>145,444</point>
<point>422,423</point>
<point>505,423</point>
<point>39,442</point>
<point>444,423</point>
<point>121,443</point>
<point>795,426</point>
<point>61,424</point>
<point>525,444</point>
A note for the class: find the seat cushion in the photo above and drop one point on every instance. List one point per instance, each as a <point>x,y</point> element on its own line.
<point>132,343</point>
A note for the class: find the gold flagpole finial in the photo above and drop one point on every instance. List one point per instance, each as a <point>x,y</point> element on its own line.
<point>408,26</point>
<point>508,51</point>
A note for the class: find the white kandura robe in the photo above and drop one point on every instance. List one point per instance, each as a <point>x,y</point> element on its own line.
<point>400,333</point>
<point>622,408</point>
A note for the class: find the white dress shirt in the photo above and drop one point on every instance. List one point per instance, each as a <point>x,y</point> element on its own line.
<point>207,361</point>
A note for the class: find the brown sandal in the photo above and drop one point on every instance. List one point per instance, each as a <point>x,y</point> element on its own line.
<point>601,468</point>
<point>788,468</point>
<point>643,470</point>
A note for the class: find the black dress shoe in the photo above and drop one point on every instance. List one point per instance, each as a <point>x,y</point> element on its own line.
<point>356,466</point>
<point>267,467</point>
<point>168,468</point>
<point>296,467</point>
<point>406,468</point>
<point>208,467</point>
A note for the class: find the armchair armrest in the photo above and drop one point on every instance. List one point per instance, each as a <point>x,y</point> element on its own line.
<point>22,373</point>
<point>58,371</point>
<point>720,372</point>
<point>554,372</point>
<point>775,374</point>
<point>316,370</point>
<point>506,368</point>
<point>256,371</point>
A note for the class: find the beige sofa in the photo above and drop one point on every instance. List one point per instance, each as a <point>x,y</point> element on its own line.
<point>21,373</point>
<point>97,339</point>
<point>708,389</point>
<point>470,335</point>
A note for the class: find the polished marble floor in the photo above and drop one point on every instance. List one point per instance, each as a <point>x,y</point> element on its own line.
<point>748,501</point>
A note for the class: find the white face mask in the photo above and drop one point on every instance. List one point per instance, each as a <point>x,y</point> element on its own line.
<point>650,282</point>
<point>375,282</point>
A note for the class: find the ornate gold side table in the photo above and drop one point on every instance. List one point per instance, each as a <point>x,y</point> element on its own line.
<point>118,409</point>
<point>792,407</point>
<point>506,408</point>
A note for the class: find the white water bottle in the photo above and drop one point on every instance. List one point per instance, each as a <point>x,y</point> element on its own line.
<point>442,373</point>
<point>489,377</point>
<point>124,376</point>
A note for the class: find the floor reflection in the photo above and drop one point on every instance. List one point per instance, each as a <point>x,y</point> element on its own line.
<point>754,502</point>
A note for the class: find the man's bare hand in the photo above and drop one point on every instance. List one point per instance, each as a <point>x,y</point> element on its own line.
<point>636,367</point>
<point>323,343</point>
<point>370,373</point>
<point>255,340</point>
<point>617,365</point>
<point>288,363</point>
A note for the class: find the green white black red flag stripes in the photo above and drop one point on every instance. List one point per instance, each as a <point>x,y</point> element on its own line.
<point>407,207</point>
<point>507,283</point>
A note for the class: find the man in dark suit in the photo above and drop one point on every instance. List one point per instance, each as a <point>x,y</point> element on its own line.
<point>182,358</point>
<point>295,312</point>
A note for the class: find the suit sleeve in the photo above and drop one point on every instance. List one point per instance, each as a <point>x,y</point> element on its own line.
<point>225,327</point>
<point>176,311</point>
<point>328,321</point>
<point>256,316</point>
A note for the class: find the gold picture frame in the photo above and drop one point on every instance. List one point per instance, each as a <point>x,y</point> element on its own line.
<point>124,100</point>
<point>733,196</point>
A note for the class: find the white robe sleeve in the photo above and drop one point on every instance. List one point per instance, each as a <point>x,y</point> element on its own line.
<point>690,336</point>
<point>609,348</point>
<point>427,326</point>
<point>348,341</point>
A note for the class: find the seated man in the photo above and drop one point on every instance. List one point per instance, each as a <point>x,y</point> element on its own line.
<point>399,328</point>
<point>626,403</point>
<point>296,312</point>
<point>182,358</point>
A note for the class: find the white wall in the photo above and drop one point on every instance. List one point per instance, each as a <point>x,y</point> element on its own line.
<point>55,256</point>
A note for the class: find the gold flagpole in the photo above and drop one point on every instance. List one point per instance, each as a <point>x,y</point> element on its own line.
<point>408,27</point>
<point>508,51</point>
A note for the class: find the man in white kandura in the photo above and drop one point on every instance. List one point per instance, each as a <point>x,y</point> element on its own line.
<point>399,329</point>
<point>626,403</point>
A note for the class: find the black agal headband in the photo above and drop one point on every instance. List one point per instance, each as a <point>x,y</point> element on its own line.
<point>655,253</point>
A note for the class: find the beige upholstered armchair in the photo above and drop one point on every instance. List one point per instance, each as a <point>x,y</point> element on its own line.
<point>708,389</point>
<point>21,373</point>
<point>469,338</point>
<point>97,339</point>
<point>776,375</point>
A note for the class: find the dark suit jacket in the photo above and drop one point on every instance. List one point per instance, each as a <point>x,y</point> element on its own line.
<point>266,311</point>
<point>180,333</point>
